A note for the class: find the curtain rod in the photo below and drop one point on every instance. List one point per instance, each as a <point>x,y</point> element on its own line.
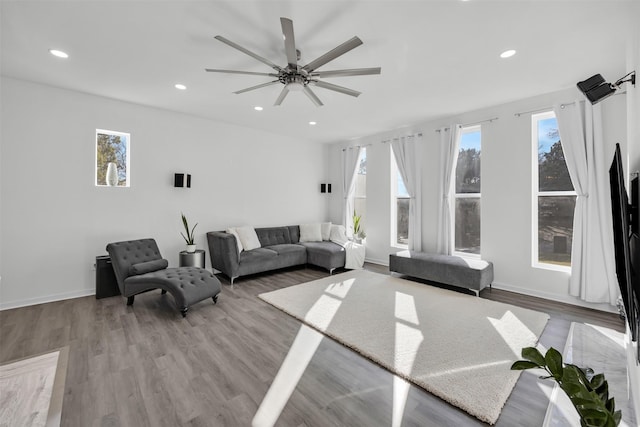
<point>474,123</point>
<point>355,146</point>
<point>561,106</point>
<point>396,138</point>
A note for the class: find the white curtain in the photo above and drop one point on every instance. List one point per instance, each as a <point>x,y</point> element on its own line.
<point>593,276</point>
<point>404,150</point>
<point>350,157</point>
<point>449,143</point>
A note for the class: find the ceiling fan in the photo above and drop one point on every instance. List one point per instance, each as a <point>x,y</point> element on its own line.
<point>298,78</point>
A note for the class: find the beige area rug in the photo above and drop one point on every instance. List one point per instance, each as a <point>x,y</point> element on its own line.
<point>32,389</point>
<point>456,346</point>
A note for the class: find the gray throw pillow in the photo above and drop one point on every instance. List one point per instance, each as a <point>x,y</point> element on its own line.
<point>148,267</point>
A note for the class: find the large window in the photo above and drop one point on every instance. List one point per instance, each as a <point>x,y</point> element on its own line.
<point>399,208</point>
<point>360,201</point>
<point>467,192</point>
<point>554,196</point>
<point>112,158</point>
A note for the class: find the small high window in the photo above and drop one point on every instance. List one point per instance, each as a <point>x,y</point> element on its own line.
<point>112,159</point>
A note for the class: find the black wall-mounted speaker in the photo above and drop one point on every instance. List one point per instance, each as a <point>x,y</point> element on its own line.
<point>328,188</point>
<point>323,188</point>
<point>595,88</point>
<point>182,180</point>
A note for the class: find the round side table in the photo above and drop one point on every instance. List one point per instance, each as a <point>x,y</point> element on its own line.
<point>193,259</point>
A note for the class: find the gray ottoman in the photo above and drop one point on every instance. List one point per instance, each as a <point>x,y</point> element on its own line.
<point>472,274</point>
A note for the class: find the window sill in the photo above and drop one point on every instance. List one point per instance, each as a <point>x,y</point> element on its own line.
<point>552,267</point>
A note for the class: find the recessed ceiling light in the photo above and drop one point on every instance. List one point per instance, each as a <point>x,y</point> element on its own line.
<point>58,53</point>
<point>180,86</point>
<point>258,108</point>
<point>507,53</point>
<point>312,123</point>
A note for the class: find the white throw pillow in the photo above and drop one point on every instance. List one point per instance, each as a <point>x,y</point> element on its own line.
<point>325,230</point>
<point>235,233</point>
<point>310,233</point>
<point>338,233</point>
<point>248,237</point>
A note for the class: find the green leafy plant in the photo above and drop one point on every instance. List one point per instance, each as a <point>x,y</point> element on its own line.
<point>357,229</point>
<point>590,397</point>
<point>189,237</point>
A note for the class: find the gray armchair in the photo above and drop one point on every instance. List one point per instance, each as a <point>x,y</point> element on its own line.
<point>139,267</point>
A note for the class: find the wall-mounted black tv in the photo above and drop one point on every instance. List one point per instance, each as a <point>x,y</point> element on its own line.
<point>626,238</point>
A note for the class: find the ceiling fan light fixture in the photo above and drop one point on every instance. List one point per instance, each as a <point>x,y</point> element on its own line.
<point>180,86</point>
<point>258,108</point>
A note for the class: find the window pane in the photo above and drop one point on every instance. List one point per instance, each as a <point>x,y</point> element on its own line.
<point>360,206</point>
<point>553,174</point>
<point>555,229</point>
<point>468,225</point>
<point>468,166</point>
<point>403,221</point>
<point>402,190</point>
<point>112,148</point>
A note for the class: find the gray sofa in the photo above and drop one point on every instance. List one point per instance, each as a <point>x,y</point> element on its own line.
<point>280,248</point>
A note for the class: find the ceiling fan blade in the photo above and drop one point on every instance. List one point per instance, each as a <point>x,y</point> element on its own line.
<point>312,96</point>
<point>336,88</point>
<point>345,73</point>
<point>333,54</point>
<point>282,96</point>
<point>256,87</point>
<point>212,70</point>
<point>248,52</point>
<point>289,42</point>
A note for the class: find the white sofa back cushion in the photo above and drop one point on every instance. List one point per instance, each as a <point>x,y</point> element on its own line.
<point>310,233</point>
<point>235,233</point>
<point>248,237</point>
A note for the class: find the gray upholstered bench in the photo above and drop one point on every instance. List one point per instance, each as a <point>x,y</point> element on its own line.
<point>472,274</point>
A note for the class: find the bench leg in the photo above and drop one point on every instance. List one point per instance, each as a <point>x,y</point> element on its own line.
<point>477,293</point>
<point>130,300</point>
<point>215,299</point>
<point>164,291</point>
<point>183,311</point>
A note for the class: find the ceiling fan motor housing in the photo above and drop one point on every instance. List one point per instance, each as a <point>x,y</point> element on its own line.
<point>293,79</point>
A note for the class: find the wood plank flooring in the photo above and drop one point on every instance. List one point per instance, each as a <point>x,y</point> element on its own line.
<point>146,366</point>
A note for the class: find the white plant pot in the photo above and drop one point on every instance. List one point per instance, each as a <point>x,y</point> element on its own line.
<point>191,248</point>
<point>112,175</point>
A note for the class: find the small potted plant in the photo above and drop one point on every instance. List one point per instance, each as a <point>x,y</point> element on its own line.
<point>358,233</point>
<point>191,246</point>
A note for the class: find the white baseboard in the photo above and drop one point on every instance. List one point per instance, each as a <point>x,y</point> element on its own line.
<point>46,299</point>
<point>567,299</point>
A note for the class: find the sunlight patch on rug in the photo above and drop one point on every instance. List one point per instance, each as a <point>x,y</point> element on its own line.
<point>456,346</point>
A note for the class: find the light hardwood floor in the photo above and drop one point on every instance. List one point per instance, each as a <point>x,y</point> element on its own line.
<point>146,366</point>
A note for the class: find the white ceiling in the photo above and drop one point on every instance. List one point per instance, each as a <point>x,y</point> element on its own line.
<point>438,58</point>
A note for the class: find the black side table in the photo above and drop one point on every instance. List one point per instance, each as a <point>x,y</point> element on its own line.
<point>193,259</point>
<point>106,283</point>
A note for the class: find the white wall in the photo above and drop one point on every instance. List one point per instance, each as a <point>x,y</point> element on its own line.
<point>506,190</point>
<point>55,221</point>
<point>633,131</point>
